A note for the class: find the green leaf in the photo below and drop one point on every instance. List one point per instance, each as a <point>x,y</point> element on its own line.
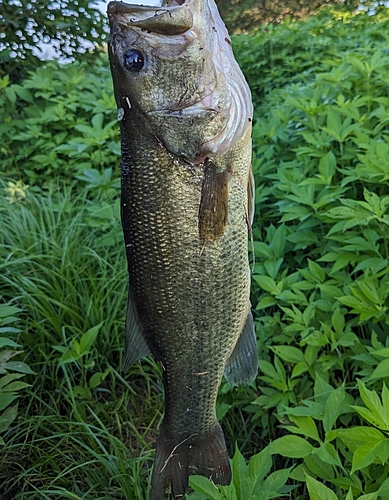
<point>364,455</point>
<point>361,434</point>
<point>239,473</point>
<point>333,407</point>
<point>316,271</point>
<point>9,378</point>
<point>6,399</point>
<point>8,310</point>
<point>291,446</point>
<point>97,378</point>
<point>278,241</point>
<point>18,366</point>
<point>266,301</point>
<point>306,425</point>
<point>7,417</point>
<point>327,166</point>
<point>381,371</point>
<point>289,354</point>
<point>266,283</point>
<point>260,465</point>
<point>328,454</point>
<point>318,491</point>
<point>204,486</point>
<point>7,342</point>
<point>89,337</point>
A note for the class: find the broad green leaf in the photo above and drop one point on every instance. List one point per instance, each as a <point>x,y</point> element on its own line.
<point>274,482</point>
<point>364,455</point>
<point>289,353</point>
<point>97,378</point>
<point>316,271</point>
<point>328,454</point>
<point>7,342</point>
<point>373,417</point>
<point>383,451</point>
<point>338,321</point>
<point>327,166</point>
<point>307,426</point>
<point>9,378</point>
<point>19,366</point>
<point>15,386</point>
<point>372,401</point>
<point>381,370</point>
<point>260,465</point>
<point>89,337</point>
<point>266,301</point>
<point>299,368</point>
<point>291,446</point>
<point>370,496</point>
<point>204,486</point>
<point>266,283</point>
<point>278,241</point>
<point>321,469</point>
<point>6,399</point>
<point>8,416</point>
<point>361,434</point>
<point>333,407</point>
<point>8,310</point>
<point>318,491</point>
<point>239,472</point>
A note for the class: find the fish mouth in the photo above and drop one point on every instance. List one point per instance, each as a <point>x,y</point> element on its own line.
<point>171,18</point>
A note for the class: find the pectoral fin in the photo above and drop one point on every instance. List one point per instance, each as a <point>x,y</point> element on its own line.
<point>135,346</point>
<point>213,212</point>
<point>242,366</point>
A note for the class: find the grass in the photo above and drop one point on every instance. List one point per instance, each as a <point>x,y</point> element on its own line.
<point>73,440</point>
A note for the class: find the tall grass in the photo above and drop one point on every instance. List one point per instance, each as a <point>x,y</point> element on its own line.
<point>73,439</point>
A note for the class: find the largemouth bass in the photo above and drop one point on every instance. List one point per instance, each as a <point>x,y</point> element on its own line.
<point>187,203</point>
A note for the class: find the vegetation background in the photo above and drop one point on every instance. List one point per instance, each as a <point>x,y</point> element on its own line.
<point>315,424</point>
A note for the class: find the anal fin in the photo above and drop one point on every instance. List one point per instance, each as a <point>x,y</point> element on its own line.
<point>242,366</point>
<point>135,346</point>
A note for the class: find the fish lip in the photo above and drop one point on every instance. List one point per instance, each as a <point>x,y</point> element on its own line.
<point>175,19</point>
<point>128,8</point>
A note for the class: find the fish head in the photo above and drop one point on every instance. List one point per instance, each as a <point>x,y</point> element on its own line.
<point>173,68</point>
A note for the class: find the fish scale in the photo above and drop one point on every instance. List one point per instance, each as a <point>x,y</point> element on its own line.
<point>185,221</point>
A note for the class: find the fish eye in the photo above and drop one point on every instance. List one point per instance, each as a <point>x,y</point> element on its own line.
<point>133,60</point>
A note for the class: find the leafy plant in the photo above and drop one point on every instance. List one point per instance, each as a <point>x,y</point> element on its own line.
<point>11,371</point>
<point>250,481</point>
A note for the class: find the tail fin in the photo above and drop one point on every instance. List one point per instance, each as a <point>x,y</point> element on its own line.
<point>204,454</point>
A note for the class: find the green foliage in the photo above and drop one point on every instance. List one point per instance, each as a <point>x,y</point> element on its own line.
<point>242,16</point>
<point>319,410</point>
<point>60,123</point>
<point>69,275</point>
<point>250,481</point>
<point>297,52</point>
<point>73,28</point>
<point>247,15</point>
<point>11,371</point>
